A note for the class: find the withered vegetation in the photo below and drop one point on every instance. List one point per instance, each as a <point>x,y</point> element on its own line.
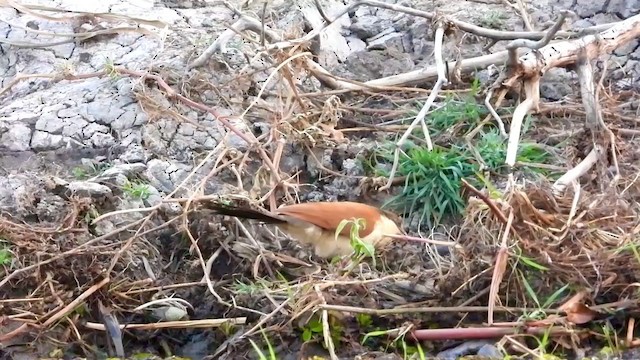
<point>530,249</point>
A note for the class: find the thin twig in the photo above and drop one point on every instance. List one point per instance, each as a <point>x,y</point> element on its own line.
<point>434,309</point>
<point>77,301</point>
<point>186,324</point>
<point>499,269</point>
<point>442,80</point>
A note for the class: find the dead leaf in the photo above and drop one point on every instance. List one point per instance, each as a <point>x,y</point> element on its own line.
<point>573,301</point>
<point>580,314</point>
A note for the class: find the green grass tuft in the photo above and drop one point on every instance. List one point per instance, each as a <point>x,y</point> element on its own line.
<point>456,113</point>
<point>493,150</point>
<point>433,186</point>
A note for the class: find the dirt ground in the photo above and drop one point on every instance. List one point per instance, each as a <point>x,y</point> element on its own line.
<point>114,141</point>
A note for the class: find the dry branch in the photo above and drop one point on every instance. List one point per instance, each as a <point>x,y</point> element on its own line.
<point>442,81</point>
<point>73,15</point>
<point>531,66</point>
<point>464,26</point>
<point>220,44</point>
<point>600,134</point>
<point>562,53</point>
<point>187,324</point>
<point>485,332</point>
<point>499,268</point>
<point>406,79</point>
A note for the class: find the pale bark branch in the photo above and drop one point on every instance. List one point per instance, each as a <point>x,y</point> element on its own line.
<point>531,66</point>
<point>594,121</point>
<point>442,80</point>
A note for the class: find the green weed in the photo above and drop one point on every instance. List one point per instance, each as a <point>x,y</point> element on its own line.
<point>136,190</point>
<point>492,147</point>
<point>261,355</point>
<point>457,112</point>
<point>432,187</point>
<point>361,249</point>
<point>86,171</point>
<point>494,20</point>
<point>408,351</point>
<point>313,329</point>
<point>364,320</point>
<point>6,256</point>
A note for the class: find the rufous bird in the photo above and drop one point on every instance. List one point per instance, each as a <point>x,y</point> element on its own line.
<point>315,224</point>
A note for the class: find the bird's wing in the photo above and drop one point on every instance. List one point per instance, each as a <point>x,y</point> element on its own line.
<point>328,215</point>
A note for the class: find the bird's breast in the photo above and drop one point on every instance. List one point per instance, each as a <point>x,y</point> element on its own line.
<point>325,242</point>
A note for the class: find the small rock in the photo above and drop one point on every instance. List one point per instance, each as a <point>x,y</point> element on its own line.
<point>44,141</point>
<point>50,123</point>
<point>315,195</point>
<point>156,198</point>
<point>352,167</point>
<point>158,175</point>
<point>127,120</point>
<point>588,8</point>
<point>73,126</point>
<point>603,18</point>
<point>120,180</point>
<point>51,208</point>
<point>260,128</point>
<point>626,8</point>
<point>626,48</point>
<point>68,112</point>
<point>134,154</point>
<point>125,86</point>
<point>421,46</point>
<point>579,24</point>
<point>88,189</point>
<point>169,313</point>
<point>356,44</point>
<point>367,65</point>
<point>93,128</point>
<point>490,351</point>
<point>233,139</point>
<point>368,26</point>
<point>467,348</point>
<point>153,137</point>
<point>186,129</point>
<point>104,110</point>
<point>104,227</point>
<point>487,76</point>
<point>197,347</point>
<point>325,159</point>
<point>101,140</point>
<point>393,40</point>
<point>292,160</point>
<point>556,84</point>
<point>17,138</point>
<point>121,169</point>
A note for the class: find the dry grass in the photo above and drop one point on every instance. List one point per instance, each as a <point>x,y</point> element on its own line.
<point>589,244</point>
<point>67,282</point>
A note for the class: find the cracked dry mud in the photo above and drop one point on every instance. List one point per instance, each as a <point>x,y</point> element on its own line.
<point>53,128</point>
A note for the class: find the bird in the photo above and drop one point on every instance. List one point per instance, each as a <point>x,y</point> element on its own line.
<point>315,223</point>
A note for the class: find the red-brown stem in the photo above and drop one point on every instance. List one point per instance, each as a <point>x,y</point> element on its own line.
<point>482,332</point>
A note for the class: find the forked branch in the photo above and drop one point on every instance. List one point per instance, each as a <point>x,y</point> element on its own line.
<point>531,66</point>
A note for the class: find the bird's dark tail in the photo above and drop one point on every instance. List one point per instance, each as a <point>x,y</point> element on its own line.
<point>245,213</point>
